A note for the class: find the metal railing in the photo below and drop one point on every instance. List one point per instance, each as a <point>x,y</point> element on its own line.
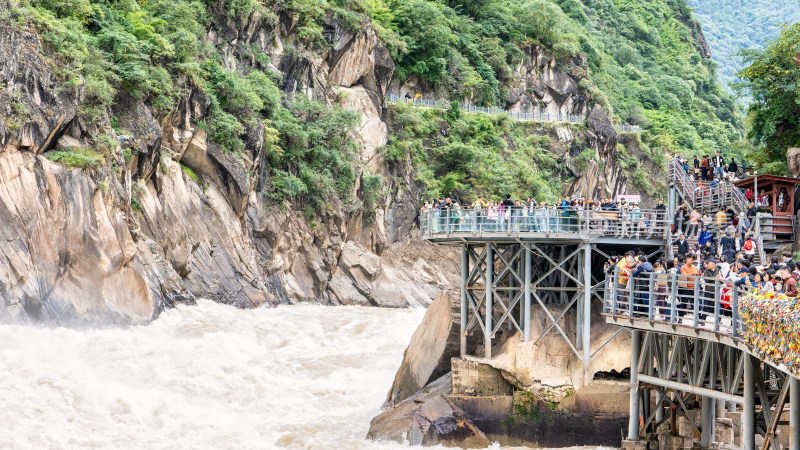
<point>543,220</point>
<point>679,300</point>
<point>629,128</point>
<point>759,239</point>
<point>704,196</point>
<point>539,116</point>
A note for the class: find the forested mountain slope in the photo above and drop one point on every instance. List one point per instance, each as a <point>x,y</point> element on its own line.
<point>734,25</point>
<point>648,61</point>
<point>242,150</point>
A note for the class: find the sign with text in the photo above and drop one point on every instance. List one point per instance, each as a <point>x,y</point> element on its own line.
<point>629,198</point>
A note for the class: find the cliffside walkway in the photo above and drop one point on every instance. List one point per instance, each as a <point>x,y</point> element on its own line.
<point>687,333</point>
<point>543,257</point>
<point>537,116</point>
<point>687,340</point>
<point>645,227</point>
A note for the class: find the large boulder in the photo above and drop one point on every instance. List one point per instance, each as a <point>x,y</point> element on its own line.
<point>428,418</point>
<point>381,283</point>
<point>427,356</point>
<point>793,160</point>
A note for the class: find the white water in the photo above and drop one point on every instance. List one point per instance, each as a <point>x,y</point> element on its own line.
<point>208,376</point>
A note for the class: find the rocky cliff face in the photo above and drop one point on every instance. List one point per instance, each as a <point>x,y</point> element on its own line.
<point>171,216</point>
<point>121,242</point>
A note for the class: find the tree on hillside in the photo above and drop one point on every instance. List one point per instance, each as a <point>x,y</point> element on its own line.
<point>730,28</point>
<point>771,77</point>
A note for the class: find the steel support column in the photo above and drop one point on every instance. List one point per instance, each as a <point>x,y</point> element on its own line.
<point>464,303</point>
<point>794,413</point>
<point>487,331</point>
<point>749,407</point>
<point>527,308</point>
<point>709,407</point>
<point>587,314</point>
<point>633,421</point>
<point>579,303</point>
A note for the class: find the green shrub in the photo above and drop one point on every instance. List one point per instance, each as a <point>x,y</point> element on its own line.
<point>83,158</point>
<point>191,173</point>
<point>372,191</point>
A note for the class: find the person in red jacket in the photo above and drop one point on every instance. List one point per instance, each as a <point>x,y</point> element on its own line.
<point>789,281</point>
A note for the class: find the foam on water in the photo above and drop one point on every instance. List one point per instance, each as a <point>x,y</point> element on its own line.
<point>207,376</point>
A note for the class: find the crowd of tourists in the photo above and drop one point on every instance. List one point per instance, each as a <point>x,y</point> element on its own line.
<point>707,168</point>
<point>716,276</point>
<point>566,215</point>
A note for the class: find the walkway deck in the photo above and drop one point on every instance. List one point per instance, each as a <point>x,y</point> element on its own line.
<point>565,225</point>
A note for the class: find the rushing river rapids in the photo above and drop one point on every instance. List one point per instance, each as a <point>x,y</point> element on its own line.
<point>209,376</point>
<point>206,376</point>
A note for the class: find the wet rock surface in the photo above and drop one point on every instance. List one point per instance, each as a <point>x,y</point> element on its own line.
<point>428,354</point>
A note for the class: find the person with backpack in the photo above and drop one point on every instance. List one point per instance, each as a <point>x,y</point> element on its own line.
<point>733,168</point>
<point>710,273</point>
<point>749,246</point>
<point>640,277</point>
<point>694,223</point>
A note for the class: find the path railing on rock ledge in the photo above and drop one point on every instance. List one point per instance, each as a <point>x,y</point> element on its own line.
<point>537,116</point>
<point>545,221</point>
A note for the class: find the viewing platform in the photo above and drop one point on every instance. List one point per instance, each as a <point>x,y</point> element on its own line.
<point>688,339</point>
<point>691,354</point>
<point>627,226</point>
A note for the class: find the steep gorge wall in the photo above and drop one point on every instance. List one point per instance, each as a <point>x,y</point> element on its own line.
<point>123,241</point>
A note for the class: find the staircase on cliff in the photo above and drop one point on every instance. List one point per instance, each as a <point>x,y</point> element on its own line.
<point>700,195</point>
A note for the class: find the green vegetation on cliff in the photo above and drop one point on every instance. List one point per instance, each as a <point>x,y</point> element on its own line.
<point>773,79</point>
<point>730,28</point>
<point>468,155</point>
<point>643,59</point>
<point>157,50</point>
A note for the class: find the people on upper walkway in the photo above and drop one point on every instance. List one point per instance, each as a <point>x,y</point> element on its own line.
<point>568,215</point>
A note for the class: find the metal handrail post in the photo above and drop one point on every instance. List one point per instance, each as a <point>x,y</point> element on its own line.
<point>716,305</point>
<point>650,294</point>
<point>735,311</point>
<point>527,278</point>
<point>673,300</point>
<point>696,302</point>
<point>615,291</point>
<point>489,305</point>
<point>631,292</point>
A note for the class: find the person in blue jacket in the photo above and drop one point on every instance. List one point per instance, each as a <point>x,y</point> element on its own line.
<point>705,236</point>
<point>641,283</point>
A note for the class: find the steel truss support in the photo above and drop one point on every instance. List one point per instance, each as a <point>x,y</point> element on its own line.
<point>678,368</point>
<point>502,284</point>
